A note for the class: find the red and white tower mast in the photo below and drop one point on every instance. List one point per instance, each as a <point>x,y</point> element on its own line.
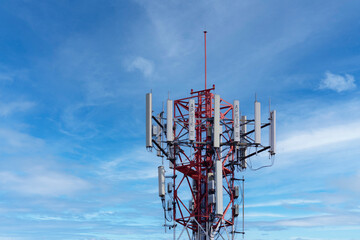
<point>207,143</point>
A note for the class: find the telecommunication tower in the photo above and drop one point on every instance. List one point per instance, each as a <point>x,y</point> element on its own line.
<point>207,143</point>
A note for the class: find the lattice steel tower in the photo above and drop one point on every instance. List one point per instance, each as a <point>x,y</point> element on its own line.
<point>206,142</point>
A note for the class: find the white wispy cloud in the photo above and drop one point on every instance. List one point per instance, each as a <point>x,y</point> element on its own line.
<point>16,141</point>
<point>120,170</point>
<point>9,108</point>
<point>43,183</point>
<point>263,214</point>
<point>321,221</point>
<point>4,77</point>
<point>306,238</point>
<point>145,66</point>
<point>314,138</point>
<point>282,202</point>
<point>11,238</point>
<point>337,82</point>
<point>43,217</point>
<point>77,121</point>
<point>315,221</point>
<point>350,183</point>
<point>315,124</point>
<point>8,75</point>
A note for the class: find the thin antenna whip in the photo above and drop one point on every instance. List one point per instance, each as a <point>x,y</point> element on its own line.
<point>205,55</point>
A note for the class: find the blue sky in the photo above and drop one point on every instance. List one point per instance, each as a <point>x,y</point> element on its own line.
<point>73,78</point>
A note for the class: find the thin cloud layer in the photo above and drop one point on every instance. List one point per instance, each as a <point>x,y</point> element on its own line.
<point>9,108</point>
<point>42,183</point>
<point>315,138</point>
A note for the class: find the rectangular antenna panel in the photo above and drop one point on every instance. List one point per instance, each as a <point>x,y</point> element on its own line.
<point>211,199</point>
<point>148,120</point>
<point>169,205</point>
<point>194,184</point>
<point>236,119</point>
<point>243,126</point>
<point>154,130</point>
<point>219,188</point>
<point>273,132</point>
<point>257,123</point>
<point>191,120</point>
<point>169,121</point>
<point>169,187</point>
<point>236,210</point>
<point>236,192</point>
<point>216,137</point>
<point>211,185</point>
<point>161,176</point>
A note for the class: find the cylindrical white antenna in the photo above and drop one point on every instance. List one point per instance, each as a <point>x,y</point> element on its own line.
<point>161,177</point>
<point>218,188</point>
<point>216,138</point>
<point>169,121</point>
<point>236,119</point>
<point>191,120</point>
<point>148,120</point>
<point>257,124</point>
<point>272,132</point>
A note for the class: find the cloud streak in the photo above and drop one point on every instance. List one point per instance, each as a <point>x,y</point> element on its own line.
<point>43,183</point>
<point>119,169</point>
<point>283,202</point>
<point>15,142</point>
<point>7,109</point>
<point>304,140</point>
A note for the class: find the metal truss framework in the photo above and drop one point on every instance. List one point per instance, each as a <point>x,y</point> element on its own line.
<point>192,163</point>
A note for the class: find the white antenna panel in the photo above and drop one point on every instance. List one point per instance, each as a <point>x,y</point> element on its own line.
<point>243,125</point>
<point>148,120</point>
<point>169,121</point>
<point>161,177</point>
<point>191,120</point>
<point>218,188</point>
<point>236,119</point>
<point>257,123</point>
<point>216,121</point>
<point>273,132</point>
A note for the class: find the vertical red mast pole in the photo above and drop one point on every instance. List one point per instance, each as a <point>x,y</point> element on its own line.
<point>205,56</point>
